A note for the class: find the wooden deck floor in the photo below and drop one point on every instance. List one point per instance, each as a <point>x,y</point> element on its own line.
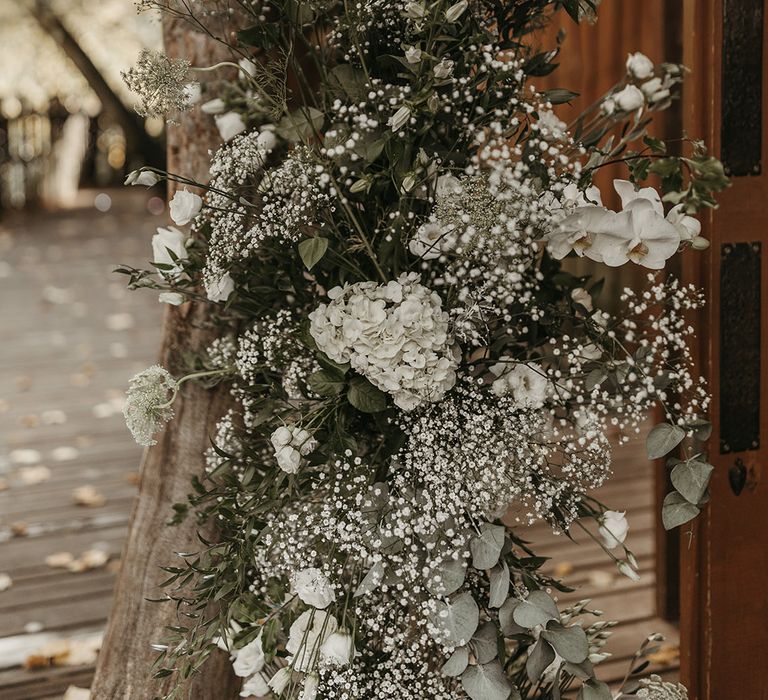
<point>71,338</point>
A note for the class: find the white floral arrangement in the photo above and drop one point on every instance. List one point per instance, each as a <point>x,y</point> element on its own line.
<point>416,374</point>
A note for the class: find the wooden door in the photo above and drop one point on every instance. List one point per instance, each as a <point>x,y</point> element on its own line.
<point>724,554</point>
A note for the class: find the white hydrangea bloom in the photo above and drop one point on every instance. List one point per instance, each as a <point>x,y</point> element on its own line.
<point>395,334</point>
<point>145,408</point>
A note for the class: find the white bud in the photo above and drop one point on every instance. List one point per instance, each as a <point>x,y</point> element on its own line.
<point>455,11</point>
<point>142,177</point>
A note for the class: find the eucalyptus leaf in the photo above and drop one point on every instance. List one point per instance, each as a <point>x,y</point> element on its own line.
<point>506,618</point>
<point>499,585</point>
<point>372,580</point>
<point>662,439</point>
<point>595,690</point>
<point>537,609</point>
<point>457,663</point>
<point>691,479</point>
<point>570,642</point>
<point>456,621</point>
<point>485,643</point>
<point>540,656</point>
<point>487,545</point>
<point>487,682</point>
<point>448,577</point>
<point>311,250</point>
<point>365,397</point>
<point>677,511</point>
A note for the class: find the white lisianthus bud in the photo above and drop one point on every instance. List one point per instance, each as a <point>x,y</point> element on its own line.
<point>626,570</point>
<point>220,289</point>
<point>193,93</point>
<point>280,680</point>
<point>215,106</point>
<point>455,11</point>
<point>699,243</point>
<point>629,99</point>
<point>409,182</point>
<point>361,185</point>
<point>338,649</point>
<point>255,686</point>
<point>608,107</point>
<point>599,657</point>
<point>168,249</point>
<point>639,66</point>
<point>147,178</point>
<point>314,588</point>
<point>247,66</point>
<point>400,118</point>
<point>654,90</point>
<point>443,69</point>
<point>173,298</point>
<point>583,297</point>
<point>415,10</point>
<point>229,125</point>
<point>413,54</point>
<point>185,206</point>
<point>309,691</point>
<point>613,529</point>
<point>250,659</point>
<point>433,102</point>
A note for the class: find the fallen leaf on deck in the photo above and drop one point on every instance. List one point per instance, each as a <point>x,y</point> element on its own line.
<point>24,456</point>
<point>24,383</point>
<point>79,379</point>
<point>59,560</point>
<point>54,417</point>
<point>30,421</point>
<point>34,627</point>
<point>134,478</point>
<point>5,582</point>
<point>666,656</point>
<point>4,405</point>
<point>119,322</point>
<point>4,484</point>
<point>88,496</point>
<point>75,693</point>
<point>563,569</point>
<point>19,529</point>
<point>80,651</point>
<point>90,559</point>
<point>103,410</point>
<point>601,579</point>
<point>64,453</point>
<point>34,475</point>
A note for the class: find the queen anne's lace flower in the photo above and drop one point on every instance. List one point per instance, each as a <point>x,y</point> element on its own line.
<point>396,335</point>
<point>653,688</point>
<point>146,406</point>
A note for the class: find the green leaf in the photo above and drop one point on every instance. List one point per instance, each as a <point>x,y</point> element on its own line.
<point>537,609</point>
<point>663,439</point>
<point>558,96</point>
<point>365,397</point>
<point>264,35</point>
<point>488,682</point>
<point>371,581</point>
<point>447,578</point>
<point>325,383</point>
<point>457,663</point>
<point>499,585</point>
<point>677,511</point>
<point>486,547</point>
<point>302,124</point>
<point>456,621</point>
<point>691,479</point>
<point>312,250</point>
<point>595,690</point>
<point>484,643</point>
<point>539,658</point>
<point>657,146</point>
<point>570,642</point>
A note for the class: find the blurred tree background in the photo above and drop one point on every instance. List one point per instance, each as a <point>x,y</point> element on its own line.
<point>66,118</point>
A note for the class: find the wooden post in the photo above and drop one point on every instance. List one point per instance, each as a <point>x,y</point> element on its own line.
<point>124,668</point>
<point>724,556</point>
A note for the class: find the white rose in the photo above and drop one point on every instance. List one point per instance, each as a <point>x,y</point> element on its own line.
<point>250,659</point>
<point>142,177</point>
<point>314,588</point>
<point>281,437</point>
<point>413,54</point>
<point>229,125</point>
<point>172,298</point>
<point>528,387</point>
<point>338,649</point>
<point>168,242</point>
<point>613,529</point>
<point>639,66</point>
<point>185,206</point>
<point>256,686</point>
<point>279,682</point>
<point>215,106</point>
<point>629,99</point>
<point>400,118</point>
<point>288,459</point>
<point>306,637</point>
<point>220,289</point>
